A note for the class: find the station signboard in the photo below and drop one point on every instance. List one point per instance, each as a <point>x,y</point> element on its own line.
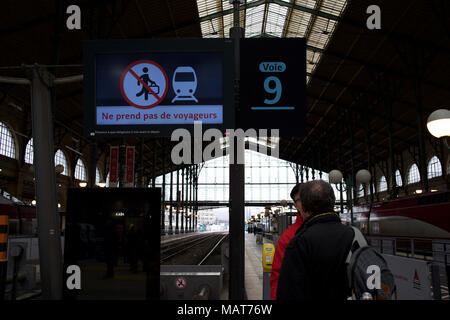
<point>411,277</point>
<point>273,85</point>
<point>151,87</point>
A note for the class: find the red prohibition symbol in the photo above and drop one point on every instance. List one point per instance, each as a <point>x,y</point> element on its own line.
<point>131,82</point>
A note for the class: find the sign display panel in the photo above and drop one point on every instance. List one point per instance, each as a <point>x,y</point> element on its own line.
<point>273,85</point>
<point>113,236</point>
<point>152,87</point>
<point>411,277</point>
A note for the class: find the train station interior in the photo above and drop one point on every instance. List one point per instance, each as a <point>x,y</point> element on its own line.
<point>128,209</point>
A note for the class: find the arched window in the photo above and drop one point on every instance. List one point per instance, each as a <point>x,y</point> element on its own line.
<point>382,186</point>
<point>107,180</point>
<point>29,156</point>
<point>413,174</point>
<point>7,145</point>
<point>98,176</point>
<point>61,159</point>
<point>434,168</point>
<point>80,170</point>
<point>398,178</point>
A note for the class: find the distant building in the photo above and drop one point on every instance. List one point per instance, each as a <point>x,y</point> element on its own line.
<point>206,217</point>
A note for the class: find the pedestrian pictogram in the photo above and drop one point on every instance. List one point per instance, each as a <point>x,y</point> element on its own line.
<point>144,84</point>
<point>180,283</point>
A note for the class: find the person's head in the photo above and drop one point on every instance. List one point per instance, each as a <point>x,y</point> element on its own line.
<point>317,197</point>
<point>295,196</point>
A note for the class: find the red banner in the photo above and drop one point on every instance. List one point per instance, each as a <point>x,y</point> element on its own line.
<point>129,175</point>
<point>113,164</point>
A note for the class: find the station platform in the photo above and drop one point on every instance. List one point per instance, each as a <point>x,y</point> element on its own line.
<point>253,266</point>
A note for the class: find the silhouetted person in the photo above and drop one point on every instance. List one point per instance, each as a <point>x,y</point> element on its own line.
<point>146,79</point>
<point>109,247</point>
<point>132,248</point>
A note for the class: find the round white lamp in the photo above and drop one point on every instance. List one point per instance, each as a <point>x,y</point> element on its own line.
<point>335,176</point>
<point>363,176</point>
<point>438,123</point>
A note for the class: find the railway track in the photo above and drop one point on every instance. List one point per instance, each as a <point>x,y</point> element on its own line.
<point>193,250</point>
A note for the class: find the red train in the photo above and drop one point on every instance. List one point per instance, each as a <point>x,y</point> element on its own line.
<point>22,218</point>
<point>419,216</point>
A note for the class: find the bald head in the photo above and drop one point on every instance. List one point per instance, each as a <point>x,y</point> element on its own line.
<point>317,197</point>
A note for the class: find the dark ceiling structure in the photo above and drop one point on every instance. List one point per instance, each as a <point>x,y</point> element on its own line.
<point>369,91</point>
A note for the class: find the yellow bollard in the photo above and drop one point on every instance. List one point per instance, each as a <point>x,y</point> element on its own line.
<point>267,261</point>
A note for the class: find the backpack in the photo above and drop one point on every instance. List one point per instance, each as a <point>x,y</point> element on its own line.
<point>360,260</point>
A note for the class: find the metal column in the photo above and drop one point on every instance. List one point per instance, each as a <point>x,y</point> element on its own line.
<point>163,201</point>
<point>122,157</point>
<point>92,163</point>
<point>171,202</point>
<point>177,230</point>
<point>49,233</point>
<point>154,165</point>
<point>237,180</point>
<point>351,181</point>
<point>191,190</point>
<point>182,200</point>
<point>141,165</point>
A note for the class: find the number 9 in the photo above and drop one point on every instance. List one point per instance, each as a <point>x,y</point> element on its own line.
<point>277,90</point>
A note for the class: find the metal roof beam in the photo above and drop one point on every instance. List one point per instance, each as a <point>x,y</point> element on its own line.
<point>314,12</point>
<point>279,2</point>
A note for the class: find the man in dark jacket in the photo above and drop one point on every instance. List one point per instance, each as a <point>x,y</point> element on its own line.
<point>314,267</point>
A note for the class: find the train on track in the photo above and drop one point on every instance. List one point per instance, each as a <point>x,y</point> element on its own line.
<point>417,216</point>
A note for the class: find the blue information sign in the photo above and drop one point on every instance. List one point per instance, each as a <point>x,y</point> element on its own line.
<point>273,85</point>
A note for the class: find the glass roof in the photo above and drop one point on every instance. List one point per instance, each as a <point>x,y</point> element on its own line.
<point>314,20</point>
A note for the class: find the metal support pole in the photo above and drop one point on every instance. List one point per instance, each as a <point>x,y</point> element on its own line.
<point>237,180</point>
<point>163,202</point>
<point>186,195</point>
<point>122,157</point>
<point>352,183</point>
<point>171,202</point>
<point>188,191</point>
<point>191,199</point>
<point>154,165</point>
<point>369,165</point>
<point>177,230</point>
<point>182,200</point>
<point>393,189</point>
<point>196,196</point>
<point>50,255</point>
<point>421,133</point>
<point>341,190</point>
<point>141,165</point>
<point>188,188</point>
<point>92,163</point>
